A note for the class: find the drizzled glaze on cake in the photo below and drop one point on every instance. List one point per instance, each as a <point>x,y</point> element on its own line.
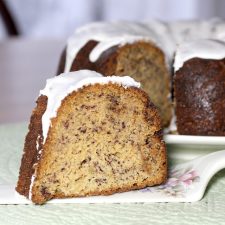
<point>108,35</point>
<point>204,49</point>
<point>166,36</point>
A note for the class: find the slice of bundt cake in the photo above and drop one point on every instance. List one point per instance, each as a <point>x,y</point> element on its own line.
<point>123,48</point>
<point>91,135</point>
<point>199,85</point>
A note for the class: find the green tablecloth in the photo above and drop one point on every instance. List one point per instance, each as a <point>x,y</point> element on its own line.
<point>210,210</point>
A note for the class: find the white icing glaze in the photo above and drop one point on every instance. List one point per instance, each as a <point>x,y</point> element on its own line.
<point>164,35</point>
<point>32,183</point>
<point>37,142</point>
<point>183,31</point>
<point>205,49</point>
<point>59,87</point>
<point>108,34</point>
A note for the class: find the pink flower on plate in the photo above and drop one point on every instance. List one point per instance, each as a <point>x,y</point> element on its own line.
<point>187,178</point>
<point>177,183</point>
<point>172,182</point>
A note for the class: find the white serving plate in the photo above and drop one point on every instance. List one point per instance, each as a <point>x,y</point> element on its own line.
<point>191,139</point>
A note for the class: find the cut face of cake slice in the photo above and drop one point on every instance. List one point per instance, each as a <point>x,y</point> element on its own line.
<point>91,135</point>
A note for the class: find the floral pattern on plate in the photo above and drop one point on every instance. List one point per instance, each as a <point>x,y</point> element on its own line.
<point>177,184</point>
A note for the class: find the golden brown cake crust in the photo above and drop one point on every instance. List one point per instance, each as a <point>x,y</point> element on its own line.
<point>31,154</point>
<point>200,97</point>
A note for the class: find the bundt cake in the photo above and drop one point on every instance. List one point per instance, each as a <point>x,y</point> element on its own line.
<point>145,51</point>
<point>91,135</point>
<point>120,49</point>
<point>199,85</point>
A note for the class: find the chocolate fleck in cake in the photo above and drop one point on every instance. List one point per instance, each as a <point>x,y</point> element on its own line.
<point>199,85</point>
<point>91,135</point>
<point>120,49</point>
